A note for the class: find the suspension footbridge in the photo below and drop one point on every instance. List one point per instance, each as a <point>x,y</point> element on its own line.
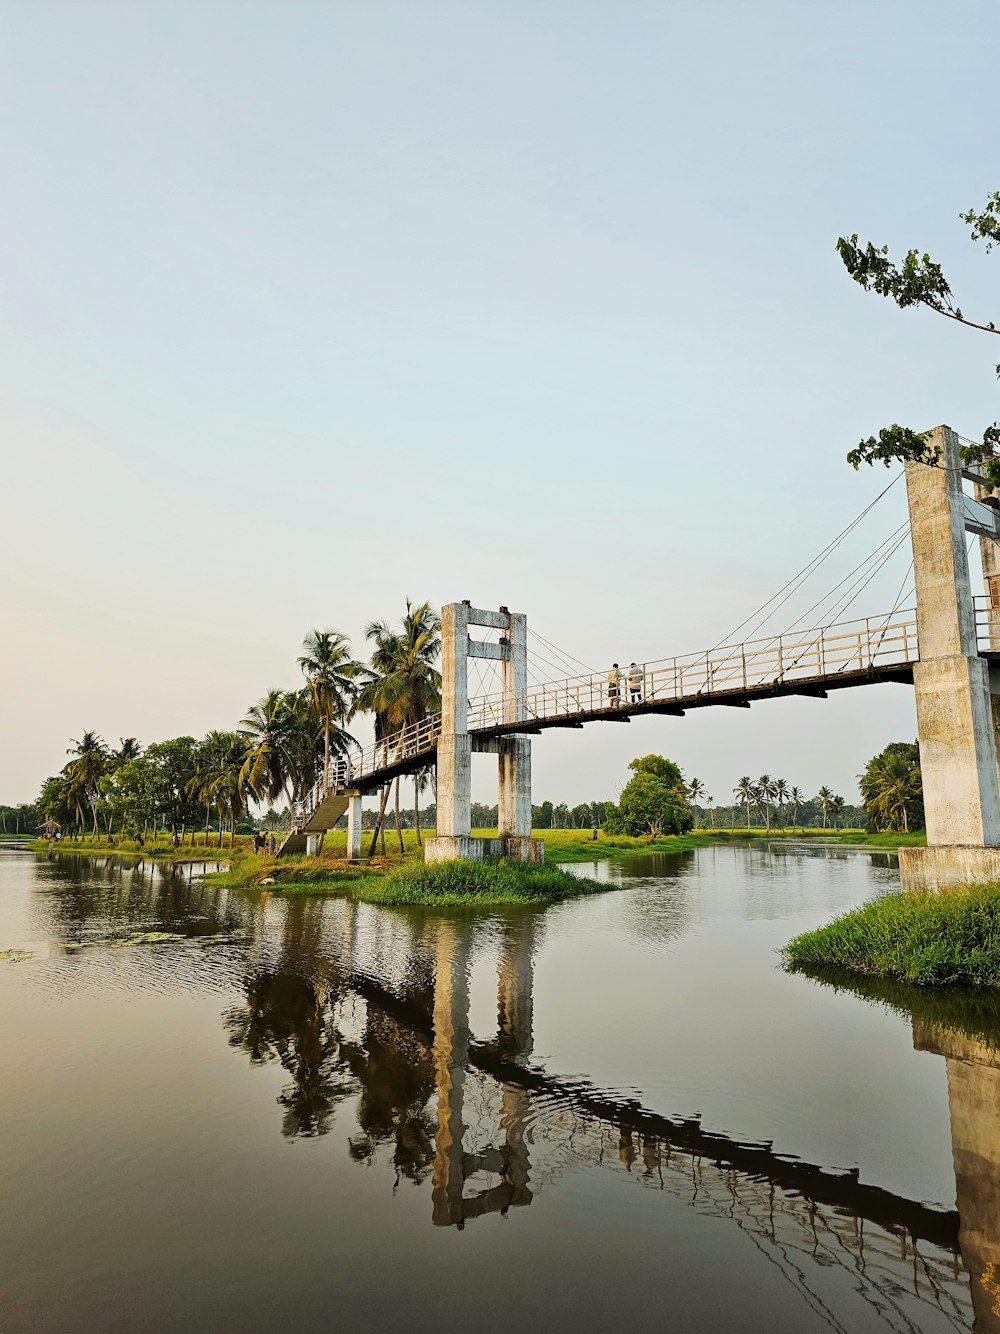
<point>943,645</point>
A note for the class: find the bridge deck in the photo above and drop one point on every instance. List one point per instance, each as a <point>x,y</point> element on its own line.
<point>811,662</point>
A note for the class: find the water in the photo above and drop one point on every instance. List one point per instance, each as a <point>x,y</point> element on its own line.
<point>617,1113</point>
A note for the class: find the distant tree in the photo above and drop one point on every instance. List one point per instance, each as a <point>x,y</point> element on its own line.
<point>743,792</point>
<point>654,801</point>
<point>781,796</point>
<point>541,816</point>
<point>825,799</point>
<point>796,799</point>
<point>892,790</point>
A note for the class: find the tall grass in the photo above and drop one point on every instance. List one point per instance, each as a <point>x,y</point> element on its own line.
<point>930,940</point>
<point>458,882</point>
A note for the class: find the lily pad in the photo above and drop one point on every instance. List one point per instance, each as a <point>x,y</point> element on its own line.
<point>148,938</point>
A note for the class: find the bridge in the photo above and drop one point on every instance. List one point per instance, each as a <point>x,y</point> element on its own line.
<point>944,647</point>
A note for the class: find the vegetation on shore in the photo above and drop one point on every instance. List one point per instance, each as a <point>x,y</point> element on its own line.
<point>925,939</point>
<point>158,849</point>
<point>411,881</point>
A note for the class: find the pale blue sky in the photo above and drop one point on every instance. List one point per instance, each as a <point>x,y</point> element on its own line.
<point>308,307</point>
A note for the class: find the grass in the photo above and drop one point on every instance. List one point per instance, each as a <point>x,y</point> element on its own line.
<point>159,848</point>
<point>442,884</point>
<point>929,940</point>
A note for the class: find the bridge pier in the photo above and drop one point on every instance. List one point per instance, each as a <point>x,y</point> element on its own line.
<point>455,746</point>
<point>354,826</point>
<point>955,711</point>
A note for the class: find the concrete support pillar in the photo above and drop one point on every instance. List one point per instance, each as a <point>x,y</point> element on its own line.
<point>958,757</point>
<point>450,1053</point>
<point>312,845</point>
<point>454,756</point>
<point>354,825</point>
<point>514,791</point>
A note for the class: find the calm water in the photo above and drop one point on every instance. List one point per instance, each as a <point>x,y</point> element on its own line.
<point>616,1114</point>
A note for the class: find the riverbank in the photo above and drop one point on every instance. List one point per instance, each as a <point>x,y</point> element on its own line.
<point>159,849</point>
<point>928,940</point>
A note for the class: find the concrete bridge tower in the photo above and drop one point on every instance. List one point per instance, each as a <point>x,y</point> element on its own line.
<point>957,713</point>
<point>456,744</point>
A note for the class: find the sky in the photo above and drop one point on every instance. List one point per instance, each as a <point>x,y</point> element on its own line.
<point>307,308</point>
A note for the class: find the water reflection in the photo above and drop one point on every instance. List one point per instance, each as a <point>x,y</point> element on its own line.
<point>385,1058</point>
<point>493,1129</point>
<point>963,1027</point>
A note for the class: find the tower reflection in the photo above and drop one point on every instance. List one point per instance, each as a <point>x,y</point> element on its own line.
<point>370,1014</point>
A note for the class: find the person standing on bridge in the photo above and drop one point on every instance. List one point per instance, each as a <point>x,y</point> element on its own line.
<point>634,679</point>
<point>614,685</point>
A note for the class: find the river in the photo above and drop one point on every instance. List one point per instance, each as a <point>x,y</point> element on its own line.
<point>619,1113</point>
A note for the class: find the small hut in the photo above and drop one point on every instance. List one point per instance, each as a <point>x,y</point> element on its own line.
<point>48,828</point>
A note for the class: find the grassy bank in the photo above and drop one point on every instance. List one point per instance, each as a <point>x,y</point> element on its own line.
<point>925,939</point>
<point>161,849</point>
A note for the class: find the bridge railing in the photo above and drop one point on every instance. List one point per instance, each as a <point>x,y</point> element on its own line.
<point>408,743</point>
<point>815,655</point>
<point>822,653</point>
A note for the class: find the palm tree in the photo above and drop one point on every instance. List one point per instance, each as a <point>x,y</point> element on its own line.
<point>710,803</point>
<point>695,789</point>
<point>267,770</point>
<point>128,748</point>
<point>796,798</point>
<point>781,796</point>
<point>743,791</point>
<point>331,675</point>
<point>85,771</point>
<point>837,807</point>
<point>825,797</point>
<point>402,684</point>
<point>228,789</point>
<point>766,788</point>
<point>891,788</point>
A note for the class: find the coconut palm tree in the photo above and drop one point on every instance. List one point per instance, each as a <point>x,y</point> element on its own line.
<point>84,773</point>
<point>267,770</point>
<point>796,798</point>
<point>695,789</point>
<point>766,789</point>
<point>781,796</point>
<point>825,798</point>
<point>743,792</point>
<point>891,788</point>
<point>837,809</point>
<point>401,686</point>
<point>332,680</point>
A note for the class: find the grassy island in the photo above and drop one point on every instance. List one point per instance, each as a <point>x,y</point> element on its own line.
<point>443,884</point>
<point>929,940</point>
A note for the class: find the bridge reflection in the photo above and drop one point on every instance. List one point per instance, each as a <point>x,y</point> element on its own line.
<point>378,1021</point>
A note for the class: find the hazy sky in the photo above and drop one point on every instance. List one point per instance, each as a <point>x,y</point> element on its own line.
<point>309,307</point>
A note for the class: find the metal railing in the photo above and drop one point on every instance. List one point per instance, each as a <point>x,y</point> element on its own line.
<point>823,653</point>
<point>818,654</point>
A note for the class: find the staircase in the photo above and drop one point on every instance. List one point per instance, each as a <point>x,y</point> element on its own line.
<point>318,820</point>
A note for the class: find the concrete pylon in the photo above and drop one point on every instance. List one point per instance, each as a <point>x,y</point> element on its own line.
<point>958,754</point>
<point>456,744</point>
